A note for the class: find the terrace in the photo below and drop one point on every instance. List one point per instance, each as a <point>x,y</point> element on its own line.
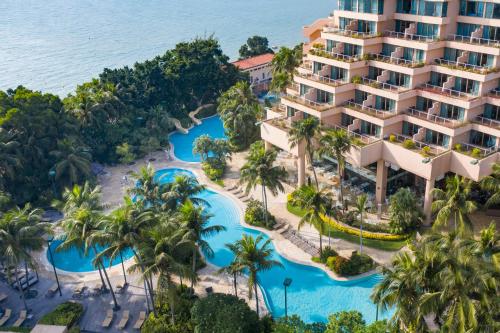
<point>351,33</point>
<point>397,61</point>
<point>383,85</point>
<point>423,148</point>
<point>474,40</point>
<point>451,123</point>
<point>321,79</point>
<point>358,139</point>
<point>369,110</point>
<point>447,92</point>
<point>474,151</point>
<point>464,67</point>
<point>318,106</point>
<point>487,122</point>
<point>334,56</point>
<point>417,38</point>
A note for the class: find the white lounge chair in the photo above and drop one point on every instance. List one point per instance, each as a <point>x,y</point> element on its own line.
<point>123,322</point>
<point>3,297</point>
<point>140,320</point>
<point>109,318</point>
<point>5,317</point>
<point>21,319</point>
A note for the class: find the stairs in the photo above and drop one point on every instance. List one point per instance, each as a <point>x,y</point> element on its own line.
<point>383,77</point>
<point>368,102</point>
<point>354,126</point>
<point>449,83</point>
<point>420,135</point>
<point>411,30</point>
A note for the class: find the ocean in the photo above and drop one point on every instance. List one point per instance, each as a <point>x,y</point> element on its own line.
<point>53,45</point>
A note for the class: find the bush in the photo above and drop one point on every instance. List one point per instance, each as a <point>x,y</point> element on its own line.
<point>223,313</point>
<point>255,215</point>
<point>392,138</point>
<point>357,264</point>
<point>476,153</point>
<point>65,314</point>
<point>356,79</point>
<point>214,171</point>
<point>405,214</point>
<point>327,252</point>
<point>426,151</point>
<point>409,144</point>
<point>458,147</point>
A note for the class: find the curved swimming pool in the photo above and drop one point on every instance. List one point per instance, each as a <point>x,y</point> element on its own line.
<point>183,143</point>
<point>313,295</point>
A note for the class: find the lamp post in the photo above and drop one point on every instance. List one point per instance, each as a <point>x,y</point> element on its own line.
<point>52,176</point>
<point>49,240</point>
<point>286,283</point>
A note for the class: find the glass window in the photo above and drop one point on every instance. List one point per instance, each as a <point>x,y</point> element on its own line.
<point>451,111</point>
<point>410,129</point>
<point>360,96</point>
<point>428,30</point>
<point>304,89</point>
<point>369,128</point>
<point>482,139</point>
<point>437,79</point>
<point>337,73</point>
<point>451,54</point>
<point>436,138</point>
<point>387,49</point>
<point>346,119</point>
<point>399,79</point>
<point>324,96</point>
<point>424,104</point>
<point>290,112</point>
<point>491,112</point>
<point>373,72</point>
<point>317,66</point>
<point>383,103</point>
<point>330,45</point>
<point>466,85</point>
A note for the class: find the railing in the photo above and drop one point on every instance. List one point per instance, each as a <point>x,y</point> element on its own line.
<point>323,79</point>
<point>474,40</point>
<point>418,38</point>
<point>495,92</point>
<point>383,85</point>
<point>433,118</point>
<point>393,60</point>
<point>350,33</point>
<point>483,152</point>
<point>293,86</point>
<point>379,113</point>
<point>488,122</point>
<point>335,56</point>
<point>366,139</point>
<point>447,91</point>
<point>308,102</point>
<point>445,62</point>
<point>433,150</point>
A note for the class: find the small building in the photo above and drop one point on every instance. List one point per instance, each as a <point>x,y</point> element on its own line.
<point>259,69</point>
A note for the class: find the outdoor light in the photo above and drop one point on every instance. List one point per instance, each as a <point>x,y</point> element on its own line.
<point>426,160</point>
<point>49,239</point>
<point>287,282</point>
<point>474,162</point>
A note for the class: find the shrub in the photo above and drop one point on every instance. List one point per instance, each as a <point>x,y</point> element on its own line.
<point>405,214</point>
<point>357,264</point>
<point>346,321</point>
<point>65,314</point>
<point>356,79</point>
<point>426,151</point>
<point>392,138</point>
<point>214,171</point>
<point>409,144</point>
<point>255,215</point>
<point>458,147</point>
<point>326,253</point>
<point>318,46</point>
<point>476,153</point>
<point>223,313</point>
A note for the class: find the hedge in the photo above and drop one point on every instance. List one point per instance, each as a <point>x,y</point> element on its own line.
<point>65,314</point>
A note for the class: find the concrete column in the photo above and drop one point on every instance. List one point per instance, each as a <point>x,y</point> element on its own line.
<point>267,145</point>
<point>301,168</point>
<point>429,185</point>
<point>381,184</point>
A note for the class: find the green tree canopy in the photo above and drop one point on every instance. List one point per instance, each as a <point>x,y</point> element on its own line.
<point>255,46</point>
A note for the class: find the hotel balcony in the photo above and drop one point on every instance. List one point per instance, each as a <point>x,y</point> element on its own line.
<point>487,122</point>
<point>410,36</point>
<point>276,131</point>
<point>474,40</point>
<point>397,61</point>
<point>318,109</point>
<point>351,33</point>
<point>322,82</point>
<point>455,65</point>
<point>376,87</point>
<point>425,115</point>
<point>381,114</point>
<point>447,92</point>
<point>472,161</point>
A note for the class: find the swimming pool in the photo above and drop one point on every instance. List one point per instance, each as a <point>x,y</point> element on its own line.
<point>183,143</point>
<point>313,295</point>
<point>73,260</point>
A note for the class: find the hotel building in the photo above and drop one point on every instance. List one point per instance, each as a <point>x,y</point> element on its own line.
<point>415,83</point>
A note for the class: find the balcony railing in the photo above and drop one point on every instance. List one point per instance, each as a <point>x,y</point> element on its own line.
<point>474,151</point>
<point>366,109</point>
<point>397,61</point>
<point>365,139</point>
<point>433,118</point>
<point>461,65</point>
<point>488,122</point>
<point>495,92</point>
<point>447,91</point>
<point>418,38</point>
<point>319,106</point>
<point>383,85</point>
<point>322,79</point>
<point>334,56</point>
<point>474,40</point>
<point>432,150</point>
<point>351,33</point>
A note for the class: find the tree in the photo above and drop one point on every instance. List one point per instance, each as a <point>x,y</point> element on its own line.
<point>182,189</point>
<point>203,145</point>
<point>255,46</point>
<point>21,234</point>
<point>254,258</point>
<point>360,209</point>
<point>316,204</point>
<point>223,313</point>
<point>491,184</point>
<point>453,203</point>
<point>283,65</point>
<point>195,221</point>
<point>234,269</point>
<point>73,163</point>
<point>147,188</point>
<point>405,214</point>
<point>9,159</point>
<point>125,152</point>
<point>259,170</point>
<point>239,110</point>
<point>305,130</point>
<point>78,197</point>
<point>345,322</point>
<point>337,143</point>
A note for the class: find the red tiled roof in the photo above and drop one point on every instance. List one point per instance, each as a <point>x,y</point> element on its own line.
<point>254,61</point>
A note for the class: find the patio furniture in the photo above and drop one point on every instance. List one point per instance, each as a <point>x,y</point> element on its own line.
<point>78,291</point>
<point>21,319</point>
<point>5,317</point>
<point>119,289</point>
<point>52,290</point>
<point>3,297</point>
<point>123,322</point>
<point>140,320</point>
<point>109,318</point>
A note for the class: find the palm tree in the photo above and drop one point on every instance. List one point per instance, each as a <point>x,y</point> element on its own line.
<point>283,65</point>
<point>491,184</point>
<point>9,159</point>
<point>73,162</point>
<point>316,204</point>
<point>259,170</point>
<point>336,143</point>
<point>195,221</point>
<point>255,258</point>
<point>202,146</point>
<point>234,269</point>
<point>78,197</point>
<point>306,130</point>
<point>182,189</point>
<point>453,202</point>
<point>405,214</point>
<point>360,209</point>
<point>147,188</point>
<point>20,234</point>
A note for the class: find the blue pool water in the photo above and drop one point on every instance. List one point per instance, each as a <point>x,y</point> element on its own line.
<point>183,143</point>
<point>313,295</point>
<point>73,260</point>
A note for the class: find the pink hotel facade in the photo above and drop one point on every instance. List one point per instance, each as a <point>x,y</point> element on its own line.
<point>399,76</point>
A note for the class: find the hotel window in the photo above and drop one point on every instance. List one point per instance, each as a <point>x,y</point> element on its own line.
<point>479,9</point>
<point>337,73</point>
<point>482,139</point>
<point>317,66</point>
<point>323,96</point>
<point>492,10</point>
<point>436,138</point>
<point>330,45</point>
<point>352,50</point>
<point>399,79</point>
<point>451,111</point>
<point>369,129</point>
<point>387,49</point>
<point>466,85</point>
<point>451,54</point>
<point>475,58</point>
<point>367,26</point>
<point>422,7</point>
<point>373,72</point>
<point>428,30</point>
<point>383,103</point>
<point>360,96</point>
<point>413,54</point>
<point>424,104</point>
<point>344,22</point>
<point>290,112</point>
<point>401,26</point>
<point>410,129</point>
<point>466,29</point>
<point>491,112</point>
<point>346,119</point>
<point>362,6</point>
<point>304,89</point>
<point>490,32</point>
<point>437,79</point>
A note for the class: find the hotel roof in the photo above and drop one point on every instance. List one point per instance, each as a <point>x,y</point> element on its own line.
<point>254,61</point>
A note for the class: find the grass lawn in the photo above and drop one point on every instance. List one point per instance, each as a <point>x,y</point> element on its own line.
<point>335,233</point>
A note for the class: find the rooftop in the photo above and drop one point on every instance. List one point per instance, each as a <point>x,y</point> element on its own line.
<point>254,61</point>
